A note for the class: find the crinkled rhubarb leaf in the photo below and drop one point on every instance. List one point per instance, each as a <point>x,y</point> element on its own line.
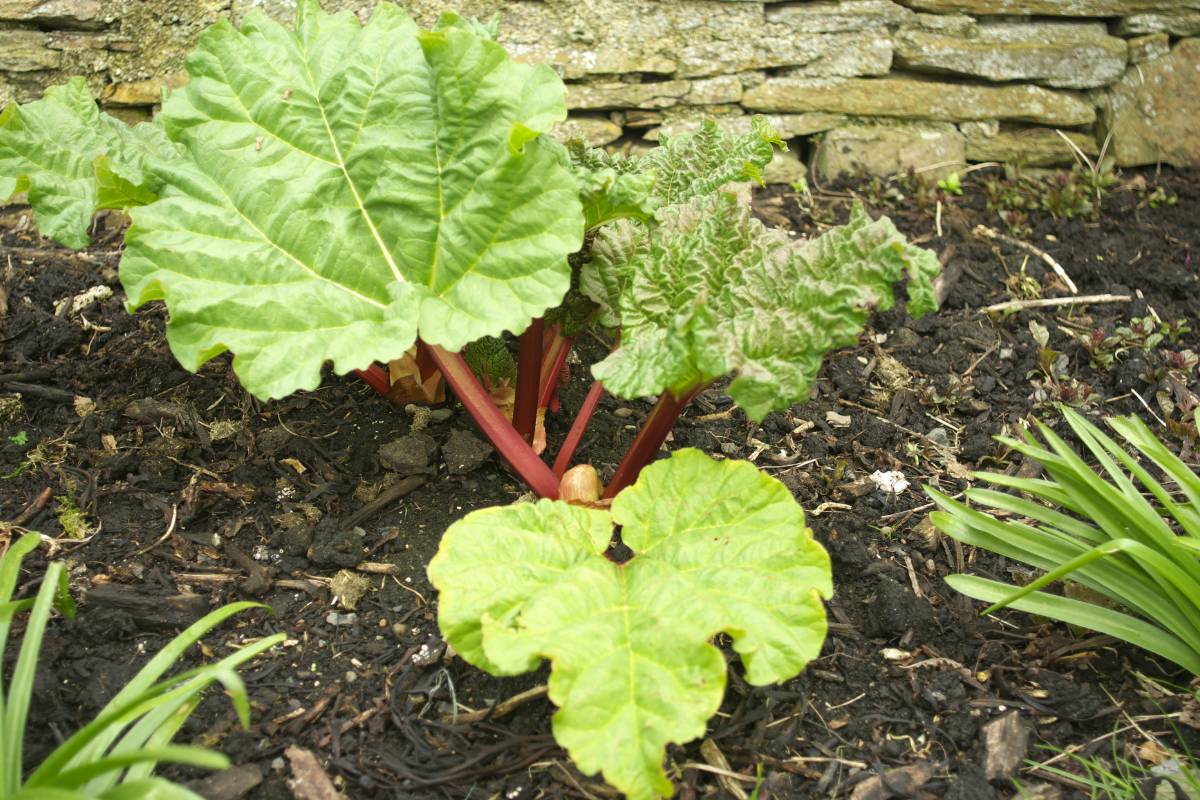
<point>610,272</point>
<point>718,546</point>
<point>491,361</point>
<point>616,186</point>
<point>611,186</point>
<point>711,292</point>
<point>74,160</point>
<point>694,164</point>
<point>347,186</point>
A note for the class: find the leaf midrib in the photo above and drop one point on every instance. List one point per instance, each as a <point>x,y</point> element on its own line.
<point>341,163</point>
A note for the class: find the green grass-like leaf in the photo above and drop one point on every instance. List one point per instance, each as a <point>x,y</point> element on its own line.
<point>112,756</point>
<point>1097,527</point>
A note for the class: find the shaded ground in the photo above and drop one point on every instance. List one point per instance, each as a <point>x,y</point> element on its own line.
<point>183,493</point>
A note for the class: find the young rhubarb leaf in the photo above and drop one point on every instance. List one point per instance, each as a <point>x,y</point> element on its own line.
<point>710,291</point>
<point>347,186</point>
<point>616,186</point>
<point>633,667</point>
<point>611,185</point>
<point>73,160</point>
<point>699,163</point>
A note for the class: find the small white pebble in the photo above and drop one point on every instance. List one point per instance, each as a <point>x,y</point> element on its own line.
<point>892,482</point>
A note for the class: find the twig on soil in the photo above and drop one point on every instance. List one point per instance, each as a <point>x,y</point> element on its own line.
<point>404,487</point>
<point>1048,302</point>
<point>350,725</point>
<point>716,415</point>
<point>30,511</point>
<point>724,773</point>
<point>148,610</point>
<point>499,710</point>
<point>60,252</point>
<point>578,786</point>
<point>719,764</point>
<point>378,568</point>
<point>993,348</point>
<point>309,586</point>
<point>205,577</point>
<point>27,375</point>
<point>165,536</point>
<point>845,762</point>
<point>44,392</point>
<point>876,415</point>
<point>912,577</point>
<point>914,510</point>
<point>1146,406</point>
<point>992,233</point>
<point>849,702</point>
<point>407,588</point>
<point>259,576</point>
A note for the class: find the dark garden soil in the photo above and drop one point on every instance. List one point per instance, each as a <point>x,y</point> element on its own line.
<point>171,493</point>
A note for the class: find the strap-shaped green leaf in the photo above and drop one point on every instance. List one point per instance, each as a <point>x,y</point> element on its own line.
<point>709,291</point>
<point>73,160</point>
<point>633,666</point>
<point>347,186</point>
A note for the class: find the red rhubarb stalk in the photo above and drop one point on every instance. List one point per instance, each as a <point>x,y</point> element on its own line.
<point>499,431</point>
<point>425,364</point>
<point>376,377</point>
<point>529,371</point>
<point>578,427</point>
<point>651,437</point>
<point>553,359</point>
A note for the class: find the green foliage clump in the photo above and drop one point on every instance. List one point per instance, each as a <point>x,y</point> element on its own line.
<point>1096,528</point>
<point>71,517</point>
<point>114,756</point>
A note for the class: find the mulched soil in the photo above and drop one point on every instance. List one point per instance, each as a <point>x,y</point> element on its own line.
<point>194,494</point>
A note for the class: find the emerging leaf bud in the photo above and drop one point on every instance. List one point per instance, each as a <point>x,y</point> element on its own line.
<point>580,485</point>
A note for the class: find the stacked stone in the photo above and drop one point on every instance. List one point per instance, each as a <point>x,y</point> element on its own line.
<point>880,85</point>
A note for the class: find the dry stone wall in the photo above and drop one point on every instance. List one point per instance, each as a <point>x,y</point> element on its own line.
<point>881,85</point>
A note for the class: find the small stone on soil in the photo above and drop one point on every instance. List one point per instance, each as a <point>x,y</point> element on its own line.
<point>898,782</point>
<point>336,548</point>
<point>464,453</point>
<point>1005,742</point>
<point>412,454</point>
<point>233,783</point>
<point>897,610</point>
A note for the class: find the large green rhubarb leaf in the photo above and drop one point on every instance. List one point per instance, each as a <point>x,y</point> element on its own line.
<point>74,160</point>
<point>718,546</point>
<point>347,186</point>
<point>709,291</point>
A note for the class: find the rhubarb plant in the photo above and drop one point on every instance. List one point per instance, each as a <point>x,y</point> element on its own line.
<point>370,194</point>
<point>73,160</point>
<point>633,665</point>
